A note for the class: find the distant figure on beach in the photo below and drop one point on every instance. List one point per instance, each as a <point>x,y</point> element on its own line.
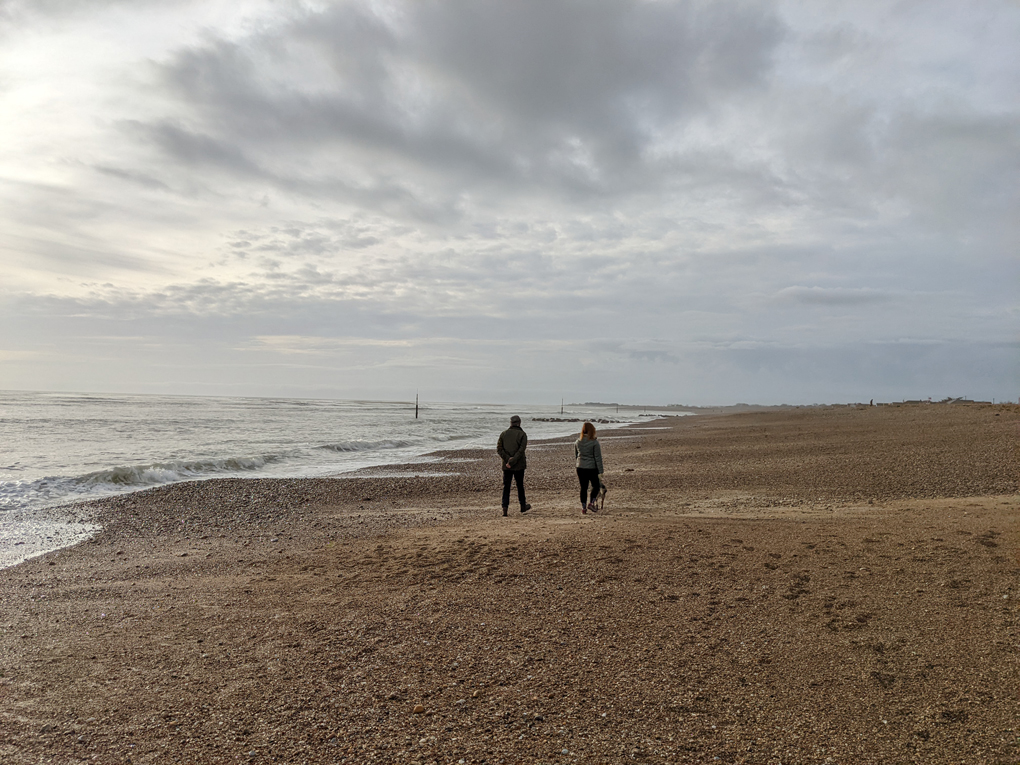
<point>588,459</point>
<point>511,445</point>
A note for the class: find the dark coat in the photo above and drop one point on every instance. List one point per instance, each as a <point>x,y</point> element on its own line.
<point>511,445</point>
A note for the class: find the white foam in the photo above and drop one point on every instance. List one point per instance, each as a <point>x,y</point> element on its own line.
<point>24,537</point>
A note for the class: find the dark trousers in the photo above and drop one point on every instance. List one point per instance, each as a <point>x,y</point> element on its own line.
<point>586,476</point>
<point>513,475</point>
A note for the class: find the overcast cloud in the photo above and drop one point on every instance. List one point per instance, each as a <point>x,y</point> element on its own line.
<point>618,200</point>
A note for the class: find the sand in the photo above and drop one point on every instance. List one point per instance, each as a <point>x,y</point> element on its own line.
<point>823,585</point>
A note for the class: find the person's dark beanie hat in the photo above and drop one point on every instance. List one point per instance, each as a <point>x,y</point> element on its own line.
<point>515,420</point>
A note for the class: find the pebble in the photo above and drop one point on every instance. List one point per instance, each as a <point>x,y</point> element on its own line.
<point>260,509</point>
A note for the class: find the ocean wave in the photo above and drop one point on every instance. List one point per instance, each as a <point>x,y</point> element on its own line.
<point>168,472</point>
<point>366,446</point>
<point>62,489</point>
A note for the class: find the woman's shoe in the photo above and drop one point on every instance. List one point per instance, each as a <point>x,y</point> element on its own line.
<point>584,509</point>
<point>593,507</point>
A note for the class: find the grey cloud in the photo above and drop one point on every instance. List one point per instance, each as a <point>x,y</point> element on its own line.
<point>362,106</point>
<point>207,154</point>
<point>559,93</point>
<point>201,150</point>
<point>640,351</point>
<point>751,199</point>
<point>56,232</point>
<point>40,204</point>
<point>833,295</point>
<point>436,106</point>
<point>82,260</point>
<point>222,324</point>
<point>961,167</point>
<point>837,45</point>
<point>141,179</point>
<point>600,67</point>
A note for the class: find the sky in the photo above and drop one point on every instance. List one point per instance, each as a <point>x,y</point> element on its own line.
<point>635,201</point>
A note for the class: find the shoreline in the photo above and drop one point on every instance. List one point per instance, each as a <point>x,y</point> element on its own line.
<point>52,528</point>
<point>836,585</point>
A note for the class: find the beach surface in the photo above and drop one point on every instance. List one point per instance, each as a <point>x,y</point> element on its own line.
<point>804,585</point>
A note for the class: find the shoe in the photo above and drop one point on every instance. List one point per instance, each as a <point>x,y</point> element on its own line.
<point>504,511</point>
<point>525,508</point>
<point>584,509</point>
<point>593,507</point>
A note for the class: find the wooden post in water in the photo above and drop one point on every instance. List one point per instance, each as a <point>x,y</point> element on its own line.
<point>416,405</point>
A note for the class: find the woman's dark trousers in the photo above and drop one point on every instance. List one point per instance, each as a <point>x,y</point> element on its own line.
<point>586,476</point>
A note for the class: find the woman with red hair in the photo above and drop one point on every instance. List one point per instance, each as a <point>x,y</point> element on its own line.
<point>588,459</point>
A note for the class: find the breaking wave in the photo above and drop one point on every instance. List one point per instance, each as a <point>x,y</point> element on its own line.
<point>116,480</point>
<point>366,446</point>
<point>169,472</point>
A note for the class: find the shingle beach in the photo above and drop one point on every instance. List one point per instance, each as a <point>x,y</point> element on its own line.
<point>803,585</point>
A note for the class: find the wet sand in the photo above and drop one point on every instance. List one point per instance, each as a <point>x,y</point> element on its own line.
<point>798,586</point>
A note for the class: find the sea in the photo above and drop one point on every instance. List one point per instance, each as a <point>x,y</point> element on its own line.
<point>60,449</point>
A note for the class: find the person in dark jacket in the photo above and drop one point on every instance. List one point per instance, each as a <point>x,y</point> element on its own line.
<point>511,445</point>
<point>588,459</point>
